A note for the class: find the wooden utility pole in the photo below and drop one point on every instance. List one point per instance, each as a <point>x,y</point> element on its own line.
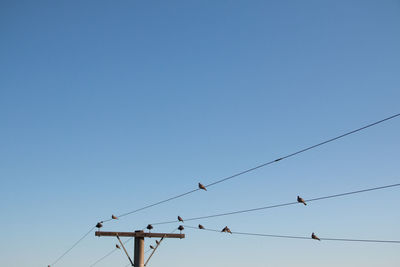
<point>139,242</point>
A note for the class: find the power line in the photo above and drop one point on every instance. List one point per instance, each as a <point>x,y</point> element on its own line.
<point>154,204</point>
<point>235,175</point>
<point>109,253</point>
<point>102,258</point>
<point>261,165</point>
<point>74,245</point>
<point>302,237</point>
<point>281,205</point>
<point>303,150</point>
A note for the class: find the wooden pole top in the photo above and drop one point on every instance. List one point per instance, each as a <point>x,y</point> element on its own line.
<point>139,234</point>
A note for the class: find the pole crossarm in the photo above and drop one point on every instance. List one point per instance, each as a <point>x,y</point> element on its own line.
<point>139,234</point>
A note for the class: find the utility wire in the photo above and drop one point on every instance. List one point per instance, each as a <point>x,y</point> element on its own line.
<point>261,165</point>
<point>102,258</point>
<point>302,237</point>
<point>109,253</point>
<point>281,205</point>
<point>154,204</point>
<point>303,150</point>
<point>233,176</point>
<point>74,245</point>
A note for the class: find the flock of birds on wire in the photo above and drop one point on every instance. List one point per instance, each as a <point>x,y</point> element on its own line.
<point>181,227</point>
<point>226,228</point>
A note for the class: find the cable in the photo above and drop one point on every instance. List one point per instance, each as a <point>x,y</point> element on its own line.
<point>74,245</point>
<point>235,175</point>
<point>109,253</point>
<point>281,205</point>
<point>154,204</point>
<point>304,150</point>
<point>303,237</point>
<point>261,165</point>
<point>102,258</point>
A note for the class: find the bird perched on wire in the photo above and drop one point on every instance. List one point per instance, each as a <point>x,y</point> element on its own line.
<point>180,219</point>
<point>116,245</point>
<point>149,227</point>
<point>151,247</point>
<point>180,228</point>
<point>226,230</point>
<point>157,242</point>
<point>201,226</point>
<point>301,200</point>
<point>114,217</point>
<point>99,225</point>
<point>313,236</point>
<point>202,187</point>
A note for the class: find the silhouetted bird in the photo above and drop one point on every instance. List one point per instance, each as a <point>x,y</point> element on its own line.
<point>180,219</point>
<point>116,245</point>
<point>114,217</point>
<point>313,236</point>
<point>99,225</point>
<point>201,226</point>
<point>180,228</point>
<point>151,247</point>
<point>157,242</point>
<point>202,187</point>
<point>226,230</point>
<point>149,227</point>
<point>300,200</point>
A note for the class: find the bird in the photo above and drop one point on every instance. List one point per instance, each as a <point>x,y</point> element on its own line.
<point>202,187</point>
<point>201,226</point>
<point>157,242</point>
<point>99,225</point>
<point>114,217</point>
<point>313,236</point>
<point>226,230</point>
<point>180,219</point>
<point>149,227</point>
<point>301,200</point>
<point>180,228</point>
<point>116,245</point>
<point>151,247</point>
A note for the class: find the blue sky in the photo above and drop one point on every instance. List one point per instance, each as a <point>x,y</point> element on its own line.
<point>108,106</point>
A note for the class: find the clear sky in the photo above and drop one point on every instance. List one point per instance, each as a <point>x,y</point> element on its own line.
<point>106,106</point>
